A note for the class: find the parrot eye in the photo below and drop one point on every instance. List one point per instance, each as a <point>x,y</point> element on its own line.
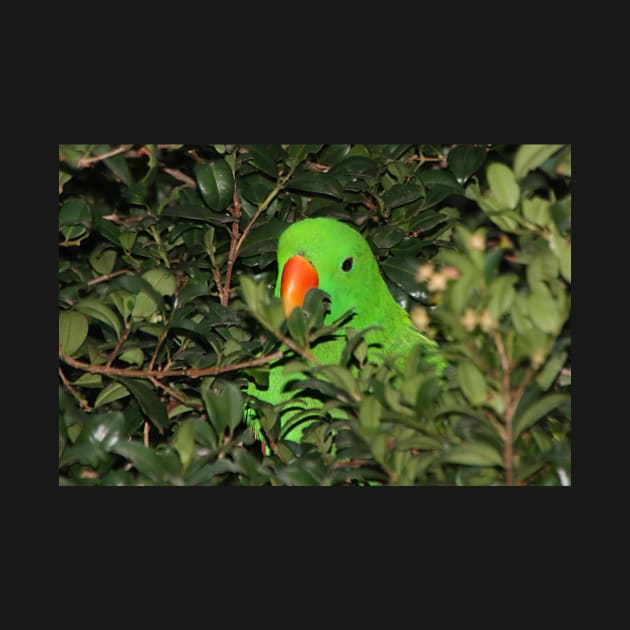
<point>347,264</point>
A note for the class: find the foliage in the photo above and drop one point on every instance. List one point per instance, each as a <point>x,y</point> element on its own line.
<point>166,310</point>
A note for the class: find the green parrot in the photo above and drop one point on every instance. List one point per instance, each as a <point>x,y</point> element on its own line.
<point>330,255</point>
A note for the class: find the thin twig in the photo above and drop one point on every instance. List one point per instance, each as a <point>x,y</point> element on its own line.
<point>82,402</point>
<point>103,156</point>
<point>107,276</point>
<point>158,345</point>
<point>182,177</point>
<point>118,346</point>
<point>173,394</point>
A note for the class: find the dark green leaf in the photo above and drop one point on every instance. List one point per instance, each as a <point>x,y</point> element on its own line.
<point>525,418</point>
<point>298,152</point>
<point>464,160</point>
<point>319,183</point>
<point>143,458</point>
<point>74,212</point>
<point>265,157</point>
<point>197,213</point>
<point>401,194</point>
<point>216,183</point>
<point>149,402</point>
<point>355,166</point>
<point>224,407</point>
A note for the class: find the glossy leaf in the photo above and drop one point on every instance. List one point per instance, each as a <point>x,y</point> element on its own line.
<point>318,183</point>
<point>464,160</point>
<point>216,183</point>
<point>114,391</point>
<point>264,157</point>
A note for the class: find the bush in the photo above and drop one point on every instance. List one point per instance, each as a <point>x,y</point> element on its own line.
<point>166,312</point>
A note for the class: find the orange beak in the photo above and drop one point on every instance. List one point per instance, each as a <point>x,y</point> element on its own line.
<point>298,278</point>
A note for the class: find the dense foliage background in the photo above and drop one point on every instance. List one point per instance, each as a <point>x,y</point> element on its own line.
<point>166,310</point>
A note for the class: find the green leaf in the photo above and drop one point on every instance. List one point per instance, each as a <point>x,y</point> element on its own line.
<point>525,418</point>
<point>143,458</point>
<point>472,382</point>
<point>401,194</point>
<point>355,166</point>
<point>531,156</point>
<point>103,260</point>
<point>114,391</point>
<point>216,183</point>
<point>161,279</point>
<point>89,380</point>
<point>502,294</point>
<point>117,164</point>
<point>101,312</point>
<point>536,210</point>
<point>73,331</point>
<point>474,454</point>
<point>464,160</point>
<point>503,185</point>
<point>184,441</point>
<point>149,402</point>
<point>74,212</point>
<point>549,373</point>
<point>133,356</point>
<point>370,411</point>
<point>543,310</point>
<point>298,328</point>
<point>264,157</point>
<point>196,213</point>
<point>320,183</point>
<point>224,407</point>
<point>299,152</point>
<point>402,270</point>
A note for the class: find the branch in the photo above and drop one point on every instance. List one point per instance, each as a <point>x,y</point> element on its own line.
<point>159,374</point>
<point>107,276</point>
<point>103,156</point>
<point>182,177</point>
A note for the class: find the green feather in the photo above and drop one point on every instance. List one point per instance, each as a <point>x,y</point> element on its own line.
<point>350,274</point>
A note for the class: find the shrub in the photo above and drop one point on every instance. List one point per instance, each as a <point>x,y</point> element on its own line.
<point>166,311</point>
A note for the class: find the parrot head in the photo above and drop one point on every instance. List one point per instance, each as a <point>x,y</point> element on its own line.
<point>332,256</point>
